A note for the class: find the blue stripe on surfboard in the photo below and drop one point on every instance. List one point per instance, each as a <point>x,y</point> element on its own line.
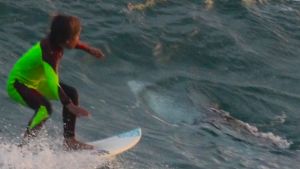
<point>133,133</point>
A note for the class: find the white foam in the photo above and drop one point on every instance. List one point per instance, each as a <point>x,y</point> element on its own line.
<point>277,140</point>
<point>268,136</point>
<point>45,155</point>
<point>136,86</point>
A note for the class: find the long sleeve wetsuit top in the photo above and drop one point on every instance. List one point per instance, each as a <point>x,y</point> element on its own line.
<point>38,69</point>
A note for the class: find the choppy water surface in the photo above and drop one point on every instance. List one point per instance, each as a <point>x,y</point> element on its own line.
<point>212,83</point>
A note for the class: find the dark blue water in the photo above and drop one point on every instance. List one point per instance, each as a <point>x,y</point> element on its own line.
<point>212,83</point>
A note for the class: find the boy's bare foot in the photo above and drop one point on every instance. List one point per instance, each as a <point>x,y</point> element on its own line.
<point>29,135</point>
<point>73,144</point>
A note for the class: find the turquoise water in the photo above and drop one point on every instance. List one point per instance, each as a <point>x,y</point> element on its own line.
<point>212,83</point>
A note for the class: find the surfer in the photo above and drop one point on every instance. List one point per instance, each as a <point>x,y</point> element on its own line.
<point>34,80</point>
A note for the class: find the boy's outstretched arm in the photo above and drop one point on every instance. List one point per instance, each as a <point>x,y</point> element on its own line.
<point>91,50</point>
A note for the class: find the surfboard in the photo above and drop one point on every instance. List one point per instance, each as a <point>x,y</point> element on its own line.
<point>117,144</point>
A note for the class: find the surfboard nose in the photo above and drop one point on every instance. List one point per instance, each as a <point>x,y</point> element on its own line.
<point>133,133</point>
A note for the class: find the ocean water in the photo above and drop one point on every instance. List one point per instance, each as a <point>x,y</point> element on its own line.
<point>214,84</point>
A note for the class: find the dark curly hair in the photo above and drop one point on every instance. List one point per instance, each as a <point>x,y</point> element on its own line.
<point>63,28</point>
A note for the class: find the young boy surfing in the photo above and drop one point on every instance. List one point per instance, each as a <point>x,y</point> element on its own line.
<point>34,79</point>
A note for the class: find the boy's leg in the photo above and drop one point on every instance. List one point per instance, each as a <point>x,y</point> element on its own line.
<point>37,102</point>
<point>69,120</point>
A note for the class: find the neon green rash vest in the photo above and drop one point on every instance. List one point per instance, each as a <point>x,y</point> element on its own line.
<point>35,73</point>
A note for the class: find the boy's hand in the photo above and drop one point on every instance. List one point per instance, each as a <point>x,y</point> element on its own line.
<point>77,111</point>
<point>97,53</point>
<point>91,50</point>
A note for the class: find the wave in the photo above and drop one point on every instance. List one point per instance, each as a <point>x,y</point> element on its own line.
<point>240,126</point>
<point>175,110</point>
<point>46,152</point>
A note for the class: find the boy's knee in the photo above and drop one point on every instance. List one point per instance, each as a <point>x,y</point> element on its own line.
<point>73,94</point>
<point>41,115</point>
<point>48,107</point>
<point>49,110</point>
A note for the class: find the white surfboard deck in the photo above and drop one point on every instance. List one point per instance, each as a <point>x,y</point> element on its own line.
<point>117,144</point>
